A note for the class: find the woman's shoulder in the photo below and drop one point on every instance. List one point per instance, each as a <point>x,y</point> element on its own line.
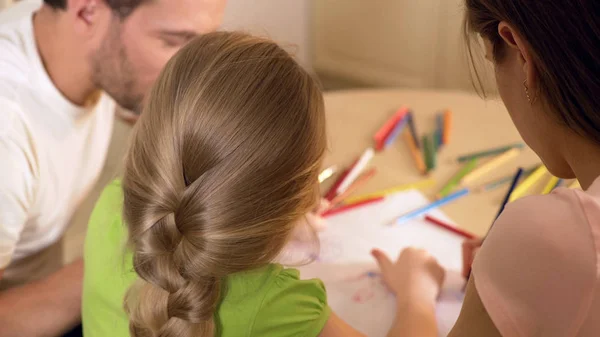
<point>275,301</point>
<point>538,266</point>
<point>559,219</point>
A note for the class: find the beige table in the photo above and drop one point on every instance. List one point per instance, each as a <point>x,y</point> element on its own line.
<point>354,116</point>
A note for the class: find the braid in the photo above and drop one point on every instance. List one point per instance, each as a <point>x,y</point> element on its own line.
<point>171,300</point>
<point>223,162</point>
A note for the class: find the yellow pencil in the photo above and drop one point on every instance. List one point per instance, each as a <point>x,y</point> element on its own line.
<point>575,184</point>
<point>327,173</point>
<point>447,127</point>
<point>528,182</point>
<point>414,151</point>
<point>550,185</point>
<point>419,184</point>
<point>489,166</point>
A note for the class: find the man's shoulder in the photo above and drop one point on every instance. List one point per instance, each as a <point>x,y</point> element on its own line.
<point>16,42</point>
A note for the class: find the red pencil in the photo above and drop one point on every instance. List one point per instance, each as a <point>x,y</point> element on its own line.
<point>348,207</point>
<point>449,227</point>
<point>387,128</point>
<point>332,192</point>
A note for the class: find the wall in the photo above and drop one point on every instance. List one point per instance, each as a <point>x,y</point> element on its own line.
<point>403,43</point>
<point>285,21</point>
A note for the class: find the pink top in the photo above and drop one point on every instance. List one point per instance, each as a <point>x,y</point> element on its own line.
<point>538,272</point>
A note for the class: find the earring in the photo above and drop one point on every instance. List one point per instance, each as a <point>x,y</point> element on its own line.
<point>527,91</point>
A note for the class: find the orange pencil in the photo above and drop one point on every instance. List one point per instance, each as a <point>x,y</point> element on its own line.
<point>416,154</point>
<point>351,206</point>
<point>447,127</point>
<point>355,185</point>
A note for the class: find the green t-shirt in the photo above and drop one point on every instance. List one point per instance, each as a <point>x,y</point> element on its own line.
<point>270,301</point>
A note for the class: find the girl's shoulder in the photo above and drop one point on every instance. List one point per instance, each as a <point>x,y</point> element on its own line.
<point>272,301</point>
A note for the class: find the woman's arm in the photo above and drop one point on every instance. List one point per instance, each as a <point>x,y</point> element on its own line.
<point>474,319</point>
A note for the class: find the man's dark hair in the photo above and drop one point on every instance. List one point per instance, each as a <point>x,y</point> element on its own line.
<point>122,8</point>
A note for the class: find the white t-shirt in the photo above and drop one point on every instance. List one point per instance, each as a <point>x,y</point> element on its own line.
<point>51,151</point>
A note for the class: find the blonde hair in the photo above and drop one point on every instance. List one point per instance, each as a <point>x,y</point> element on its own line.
<point>223,163</point>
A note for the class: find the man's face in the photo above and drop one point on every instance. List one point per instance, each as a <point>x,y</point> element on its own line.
<point>136,48</point>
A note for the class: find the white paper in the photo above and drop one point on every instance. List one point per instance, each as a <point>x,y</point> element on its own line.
<point>354,289</point>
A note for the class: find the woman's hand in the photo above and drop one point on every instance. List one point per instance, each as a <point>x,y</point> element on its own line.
<point>469,250</point>
<point>416,276</point>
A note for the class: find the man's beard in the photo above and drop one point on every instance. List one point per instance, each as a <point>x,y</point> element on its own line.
<point>114,74</point>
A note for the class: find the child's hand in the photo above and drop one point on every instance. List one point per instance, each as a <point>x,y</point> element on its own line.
<point>416,276</point>
<point>310,223</point>
<point>469,249</point>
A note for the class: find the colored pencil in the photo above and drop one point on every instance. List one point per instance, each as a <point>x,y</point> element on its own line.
<point>361,180</point>
<point>396,131</point>
<point>575,184</point>
<point>489,153</point>
<point>492,185</point>
<point>429,152</point>
<point>455,180</point>
<point>327,173</point>
<point>332,192</point>
<point>447,127</point>
<point>413,129</point>
<point>356,170</point>
<point>550,185</point>
<point>490,165</point>
<point>510,191</point>
<point>415,153</point>
<point>528,182</point>
<point>439,121</point>
<point>449,227</point>
<point>439,203</point>
<point>383,132</point>
<point>351,206</point>
<point>410,186</point>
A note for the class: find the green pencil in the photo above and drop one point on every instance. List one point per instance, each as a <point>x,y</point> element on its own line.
<point>455,180</point>
<point>489,153</point>
<point>429,152</point>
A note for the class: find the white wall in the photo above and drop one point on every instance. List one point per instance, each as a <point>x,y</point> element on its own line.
<point>285,21</point>
<point>408,43</point>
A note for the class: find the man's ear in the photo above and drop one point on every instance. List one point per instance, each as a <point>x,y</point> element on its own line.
<point>514,40</point>
<point>85,13</point>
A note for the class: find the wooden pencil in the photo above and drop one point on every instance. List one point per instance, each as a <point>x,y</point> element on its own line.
<point>351,206</point>
<point>455,180</point>
<point>415,153</point>
<point>528,182</point>
<point>447,127</point>
<point>413,129</point>
<point>416,185</point>
<point>489,153</point>
<point>489,166</point>
<point>550,185</point>
<point>387,128</point>
<point>360,181</point>
<point>575,184</point>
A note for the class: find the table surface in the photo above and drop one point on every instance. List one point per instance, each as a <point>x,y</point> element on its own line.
<point>354,116</point>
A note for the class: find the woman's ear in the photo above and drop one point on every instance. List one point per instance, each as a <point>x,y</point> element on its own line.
<point>515,41</point>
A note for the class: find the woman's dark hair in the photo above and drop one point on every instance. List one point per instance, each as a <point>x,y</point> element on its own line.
<point>564,41</point>
<point>121,7</point>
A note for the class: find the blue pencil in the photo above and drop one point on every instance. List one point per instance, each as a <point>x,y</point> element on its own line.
<point>513,185</point>
<point>558,183</point>
<point>439,203</point>
<point>396,131</point>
